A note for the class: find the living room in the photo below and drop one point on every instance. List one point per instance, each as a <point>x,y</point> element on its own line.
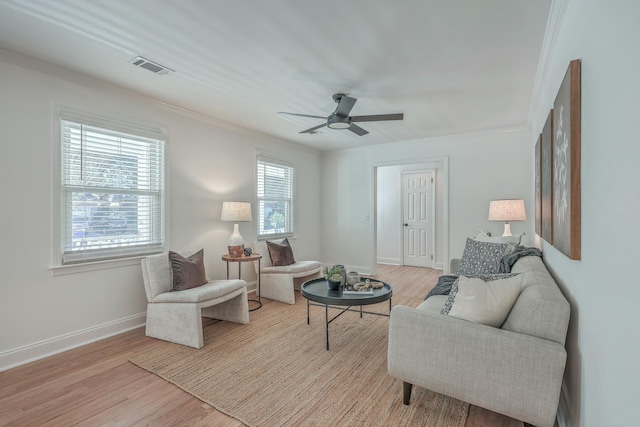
<point>47,310</point>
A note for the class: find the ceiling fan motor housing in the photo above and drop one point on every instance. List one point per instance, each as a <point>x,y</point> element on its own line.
<point>335,121</point>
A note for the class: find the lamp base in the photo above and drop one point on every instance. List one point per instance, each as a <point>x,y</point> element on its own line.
<point>507,229</point>
<point>236,243</point>
<point>236,251</point>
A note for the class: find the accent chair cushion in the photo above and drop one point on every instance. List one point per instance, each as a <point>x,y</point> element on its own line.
<point>481,258</point>
<point>187,273</point>
<point>280,253</point>
<point>484,302</point>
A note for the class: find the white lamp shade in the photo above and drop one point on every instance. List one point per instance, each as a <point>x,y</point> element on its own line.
<point>236,211</point>
<point>507,210</point>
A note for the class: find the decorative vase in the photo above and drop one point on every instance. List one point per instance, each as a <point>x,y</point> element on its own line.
<point>334,286</point>
<point>353,278</point>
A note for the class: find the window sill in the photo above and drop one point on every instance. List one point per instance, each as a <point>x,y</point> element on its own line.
<point>60,270</point>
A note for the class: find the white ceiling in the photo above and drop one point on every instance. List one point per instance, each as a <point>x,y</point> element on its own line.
<point>451,66</point>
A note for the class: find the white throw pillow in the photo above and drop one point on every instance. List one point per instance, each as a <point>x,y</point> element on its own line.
<point>511,240</point>
<point>487,303</point>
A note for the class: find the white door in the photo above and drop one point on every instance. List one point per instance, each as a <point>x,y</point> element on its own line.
<point>418,224</point>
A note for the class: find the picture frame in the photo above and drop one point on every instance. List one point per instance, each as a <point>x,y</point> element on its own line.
<point>546,180</point>
<point>566,164</point>
<point>537,189</point>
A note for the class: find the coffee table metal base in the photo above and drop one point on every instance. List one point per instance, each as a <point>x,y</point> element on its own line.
<point>342,311</point>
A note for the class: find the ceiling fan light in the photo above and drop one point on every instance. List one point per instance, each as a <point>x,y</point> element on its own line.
<point>337,122</point>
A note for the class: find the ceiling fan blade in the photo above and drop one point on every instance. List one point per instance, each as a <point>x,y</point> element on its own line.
<point>313,129</point>
<point>345,105</point>
<point>300,115</point>
<point>357,130</point>
<point>377,117</point>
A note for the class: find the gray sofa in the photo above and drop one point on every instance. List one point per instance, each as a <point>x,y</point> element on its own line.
<point>515,370</point>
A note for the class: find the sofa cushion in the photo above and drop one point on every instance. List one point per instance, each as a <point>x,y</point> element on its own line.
<point>299,269</point>
<point>187,272</point>
<point>206,292</point>
<point>487,303</point>
<point>481,258</point>
<point>280,253</point>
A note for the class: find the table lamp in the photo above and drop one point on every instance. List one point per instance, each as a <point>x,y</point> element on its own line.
<point>236,212</point>
<point>507,210</point>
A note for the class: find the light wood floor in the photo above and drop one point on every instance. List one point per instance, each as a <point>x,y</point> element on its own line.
<point>95,385</point>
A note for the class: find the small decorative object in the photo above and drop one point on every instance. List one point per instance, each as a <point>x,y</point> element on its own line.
<point>377,285</point>
<point>333,276</point>
<point>353,278</point>
<point>247,251</point>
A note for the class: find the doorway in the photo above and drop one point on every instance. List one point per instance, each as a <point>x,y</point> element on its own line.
<point>388,214</point>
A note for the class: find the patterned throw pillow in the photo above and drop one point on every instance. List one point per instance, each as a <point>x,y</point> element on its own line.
<point>485,277</point>
<point>481,258</point>
<point>187,273</point>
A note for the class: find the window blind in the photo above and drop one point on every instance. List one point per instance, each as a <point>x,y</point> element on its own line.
<point>112,193</point>
<point>275,194</point>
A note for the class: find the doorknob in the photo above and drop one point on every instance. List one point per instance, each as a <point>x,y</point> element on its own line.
<point>406,225</point>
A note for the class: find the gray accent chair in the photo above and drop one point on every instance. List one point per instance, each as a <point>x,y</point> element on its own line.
<point>177,316</point>
<point>515,370</point>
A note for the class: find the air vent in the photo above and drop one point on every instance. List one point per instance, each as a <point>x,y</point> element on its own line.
<point>154,67</point>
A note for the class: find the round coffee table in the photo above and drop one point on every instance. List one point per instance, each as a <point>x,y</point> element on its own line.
<point>316,290</point>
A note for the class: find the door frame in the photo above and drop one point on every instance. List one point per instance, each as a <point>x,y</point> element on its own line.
<point>432,230</point>
<point>437,163</point>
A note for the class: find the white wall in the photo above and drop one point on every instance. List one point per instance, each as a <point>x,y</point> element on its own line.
<point>207,163</point>
<point>389,215</point>
<point>482,167</point>
<point>602,375</point>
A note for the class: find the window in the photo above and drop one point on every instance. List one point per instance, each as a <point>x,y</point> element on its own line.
<point>112,192</point>
<point>275,198</point>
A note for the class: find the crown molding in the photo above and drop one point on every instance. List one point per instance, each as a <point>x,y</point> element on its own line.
<point>554,25</point>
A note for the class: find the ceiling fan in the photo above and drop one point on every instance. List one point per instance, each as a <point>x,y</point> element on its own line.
<point>340,118</point>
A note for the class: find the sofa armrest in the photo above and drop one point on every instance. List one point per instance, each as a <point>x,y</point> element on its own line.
<point>510,373</point>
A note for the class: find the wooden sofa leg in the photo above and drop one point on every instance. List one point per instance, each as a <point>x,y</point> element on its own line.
<point>406,392</point>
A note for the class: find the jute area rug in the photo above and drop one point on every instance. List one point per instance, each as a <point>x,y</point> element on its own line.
<point>276,371</point>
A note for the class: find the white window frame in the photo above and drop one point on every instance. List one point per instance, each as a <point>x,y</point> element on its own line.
<point>120,253</point>
<point>289,202</point>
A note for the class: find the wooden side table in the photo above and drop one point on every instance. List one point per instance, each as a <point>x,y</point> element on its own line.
<point>245,258</point>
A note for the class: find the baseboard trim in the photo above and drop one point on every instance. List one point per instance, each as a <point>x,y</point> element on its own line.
<point>45,348</point>
<point>390,261</point>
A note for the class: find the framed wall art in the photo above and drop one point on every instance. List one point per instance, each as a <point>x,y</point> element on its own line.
<point>546,180</point>
<point>566,164</point>
<point>537,190</point>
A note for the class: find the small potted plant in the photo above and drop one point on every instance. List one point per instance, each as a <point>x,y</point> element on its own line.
<point>333,275</point>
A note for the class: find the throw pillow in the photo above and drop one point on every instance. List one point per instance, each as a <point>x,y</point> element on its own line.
<point>187,273</point>
<point>280,253</point>
<point>481,258</point>
<point>454,287</point>
<point>511,240</point>
<point>484,302</point>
